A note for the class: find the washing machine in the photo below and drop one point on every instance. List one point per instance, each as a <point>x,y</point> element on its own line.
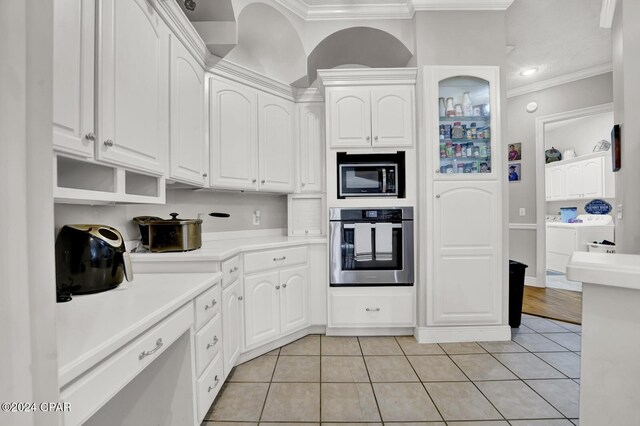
<point>565,238</point>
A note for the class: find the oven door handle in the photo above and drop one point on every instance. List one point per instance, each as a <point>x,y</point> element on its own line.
<point>353,225</point>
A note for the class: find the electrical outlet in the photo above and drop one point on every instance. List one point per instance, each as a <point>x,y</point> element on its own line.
<point>523,212</point>
<point>256,217</point>
<point>619,211</point>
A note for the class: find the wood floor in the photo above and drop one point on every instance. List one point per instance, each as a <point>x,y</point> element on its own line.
<point>562,305</point>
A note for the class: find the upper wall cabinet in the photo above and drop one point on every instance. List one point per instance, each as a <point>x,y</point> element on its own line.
<point>275,151</point>
<point>370,108</point>
<point>233,129</point>
<point>73,71</point>
<point>371,116</point>
<point>252,145</point>
<point>133,85</point>
<point>589,176</point>
<point>312,146</point>
<point>188,145</point>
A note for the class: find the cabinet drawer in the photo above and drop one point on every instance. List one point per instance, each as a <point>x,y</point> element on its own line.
<point>209,385</point>
<point>269,259</point>
<point>392,308</point>
<point>94,389</point>
<point>208,343</point>
<point>230,270</point>
<point>207,305</point>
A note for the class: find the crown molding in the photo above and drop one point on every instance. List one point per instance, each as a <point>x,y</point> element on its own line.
<point>440,5</point>
<point>367,76</point>
<point>563,79</point>
<point>184,30</point>
<point>385,11</point>
<point>240,74</point>
<point>311,94</point>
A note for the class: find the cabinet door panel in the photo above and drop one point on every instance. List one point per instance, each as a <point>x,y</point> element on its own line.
<point>392,116</point>
<point>592,178</point>
<point>234,140</point>
<point>556,189</point>
<point>231,325</point>
<point>350,117</point>
<point>187,144</point>
<point>573,181</point>
<point>134,86</point>
<point>312,150</point>
<point>73,70</point>
<point>275,150</point>
<point>294,304</point>
<point>466,272</point>
<point>262,308</point>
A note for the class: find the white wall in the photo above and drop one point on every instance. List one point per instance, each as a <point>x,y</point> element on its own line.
<point>626,79</point>
<point>187,204</point>
<point>583,93</point>
<point>579,133</point>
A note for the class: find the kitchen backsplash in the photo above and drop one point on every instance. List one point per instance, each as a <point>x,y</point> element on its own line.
<point>187,203</point>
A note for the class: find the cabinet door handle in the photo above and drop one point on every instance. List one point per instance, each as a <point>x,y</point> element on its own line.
<point>215,384</point>
<point>215,340</point>
<point>277,287</point>
<point>284,285</point>
<point>204,175</point>
<point>275,259</point>
<point>108,142</point>
<point>262,181</point>
<point>303,184</point>
<point>375,138</point>
<point>253,181</point>
<point>437,195</point>
<point>437,171</point>
<point>145,354</point>
<point>240,298</point>
<point>368,138</point>
<point>214,302</point>
<point>373,309</point>
<point>90,136</point>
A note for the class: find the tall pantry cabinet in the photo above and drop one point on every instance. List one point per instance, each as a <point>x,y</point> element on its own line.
<point>462,200</point>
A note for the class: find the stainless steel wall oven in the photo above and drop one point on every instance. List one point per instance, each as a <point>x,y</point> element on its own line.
<point>372,246</point>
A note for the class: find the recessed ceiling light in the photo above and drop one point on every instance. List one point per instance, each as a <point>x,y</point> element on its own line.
<point>529,71</point>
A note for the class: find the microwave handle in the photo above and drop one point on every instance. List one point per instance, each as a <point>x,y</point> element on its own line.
<point>384,180</point>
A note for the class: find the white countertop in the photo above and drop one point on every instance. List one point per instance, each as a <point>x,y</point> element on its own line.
<point>91,327</point>
<point>607,269</point>
<point>223,249</point>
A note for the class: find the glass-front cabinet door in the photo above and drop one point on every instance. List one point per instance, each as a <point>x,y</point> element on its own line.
<point>463,109</point>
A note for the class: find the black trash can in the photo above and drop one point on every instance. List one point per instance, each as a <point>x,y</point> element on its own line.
<point>516,290</point>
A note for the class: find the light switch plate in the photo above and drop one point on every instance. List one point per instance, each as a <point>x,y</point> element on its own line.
<point>619,211</point>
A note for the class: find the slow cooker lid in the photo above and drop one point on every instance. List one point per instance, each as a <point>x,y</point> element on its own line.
<point>153,220</point>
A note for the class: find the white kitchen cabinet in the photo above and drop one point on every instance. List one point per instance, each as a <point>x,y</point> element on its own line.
<point>231,324</point>
<point>294,299</point>
<point>392,117</point>
<point>275,149</point>
<point>262,307</point>
<point>466,286</point>
<point>312,147</point>
<point>133,86</point>
<point>275,294</point>
<point>306,214</point>
<point>366,116</point>
<point>580,178</point>
<point>73,77</point>
<point>555,181</point>
<point>187,145</point>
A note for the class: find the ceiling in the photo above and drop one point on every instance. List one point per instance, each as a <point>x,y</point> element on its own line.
<point>557,36</point>
<point>350,2</point>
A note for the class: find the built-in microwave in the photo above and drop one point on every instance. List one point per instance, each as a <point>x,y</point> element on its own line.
<point>368,180</point>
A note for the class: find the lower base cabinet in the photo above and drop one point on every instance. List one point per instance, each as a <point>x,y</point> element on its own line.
<point>231,324</point>
<point>276,301</point>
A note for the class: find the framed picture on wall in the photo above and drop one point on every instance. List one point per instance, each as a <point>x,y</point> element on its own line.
<point>616,155</point>
<point>515,172</point>
<point>515,151</point>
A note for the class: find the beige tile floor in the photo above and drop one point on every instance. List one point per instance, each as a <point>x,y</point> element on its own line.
<point>320,380</point>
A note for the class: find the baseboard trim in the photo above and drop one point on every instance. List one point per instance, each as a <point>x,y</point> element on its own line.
<point>451,334</point>
<point>533,282</point>
<point>369,331</point>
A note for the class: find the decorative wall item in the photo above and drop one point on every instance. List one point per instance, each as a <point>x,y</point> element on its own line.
<point>616,155</point>
<point>597,206</point>
<point>515,172</point>
<point>515,151</point>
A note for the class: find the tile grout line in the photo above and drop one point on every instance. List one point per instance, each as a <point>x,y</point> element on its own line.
<point>264,403</point>
<point>366,367</point>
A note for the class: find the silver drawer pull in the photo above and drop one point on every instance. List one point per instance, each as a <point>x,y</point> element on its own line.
<point>284,285</point>
<point>277,287</point>
<point>232,270</point>
<point>108,143</point>
<point>214,302</point>
<point>275,259</point>
<point>373,309</point>
<point>215,340</point>
<point>145,354</point>
<point>215,385</point>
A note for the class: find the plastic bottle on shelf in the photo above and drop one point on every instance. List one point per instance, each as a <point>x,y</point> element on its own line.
<point>450,110</point>
<point>442,109</point>
<point>467,107</point>
<point>454,164</point>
